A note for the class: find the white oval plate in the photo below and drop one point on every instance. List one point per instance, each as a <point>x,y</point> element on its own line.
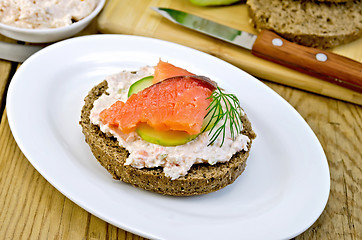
<point>282,192</point>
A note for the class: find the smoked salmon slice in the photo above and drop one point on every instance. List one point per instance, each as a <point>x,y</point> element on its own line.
<point>178,103</point>
<point>164,70</point>
<point>112,114</point>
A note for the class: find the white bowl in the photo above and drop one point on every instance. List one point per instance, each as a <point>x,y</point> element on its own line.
<point>49,34</point>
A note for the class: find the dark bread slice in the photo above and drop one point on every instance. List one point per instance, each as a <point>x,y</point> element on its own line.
<point>201,179</point>
<point>310,23</point>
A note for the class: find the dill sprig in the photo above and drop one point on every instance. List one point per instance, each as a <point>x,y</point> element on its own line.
<point>225,108</point>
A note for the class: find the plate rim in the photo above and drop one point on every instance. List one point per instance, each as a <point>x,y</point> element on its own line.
<point>85,38</point>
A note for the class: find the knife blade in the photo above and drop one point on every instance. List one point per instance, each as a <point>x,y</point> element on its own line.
<point>17,52</point>
<point>270,46</point>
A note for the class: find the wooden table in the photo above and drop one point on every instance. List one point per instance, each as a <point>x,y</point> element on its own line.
<point>32,208</point>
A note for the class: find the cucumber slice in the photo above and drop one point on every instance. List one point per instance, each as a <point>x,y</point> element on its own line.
<point>170,138</point>
<point>140,85</point>
<point>207,124</point>
<point>163,138</point>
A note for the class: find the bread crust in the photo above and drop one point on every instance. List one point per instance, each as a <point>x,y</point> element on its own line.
<point>318,24</point>
<point>201,179</point>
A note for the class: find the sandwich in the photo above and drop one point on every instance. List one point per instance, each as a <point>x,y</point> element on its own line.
<point>167,130</point>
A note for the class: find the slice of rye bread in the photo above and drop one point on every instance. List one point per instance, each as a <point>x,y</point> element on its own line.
<point>201,179</point>
<point>310,23</point>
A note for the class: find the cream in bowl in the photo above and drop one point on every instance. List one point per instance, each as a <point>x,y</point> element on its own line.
<point>46,21</point>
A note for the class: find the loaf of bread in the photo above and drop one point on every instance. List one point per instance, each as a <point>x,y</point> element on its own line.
<point>320,24</point>
<point>201,179</point>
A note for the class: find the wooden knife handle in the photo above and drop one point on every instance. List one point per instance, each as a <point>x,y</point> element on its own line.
<point>318,63</point>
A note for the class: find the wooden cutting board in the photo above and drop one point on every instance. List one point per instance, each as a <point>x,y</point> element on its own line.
<point>137,18</point>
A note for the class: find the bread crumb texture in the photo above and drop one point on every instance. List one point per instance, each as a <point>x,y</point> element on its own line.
<point>319,24</point>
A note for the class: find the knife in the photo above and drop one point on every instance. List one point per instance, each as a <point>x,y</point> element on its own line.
<point>268,45</point>
<point>17,52</point>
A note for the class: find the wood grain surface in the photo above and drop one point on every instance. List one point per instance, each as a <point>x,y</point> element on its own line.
<point>136,17</point>
<point>31,208</point>
<point>5,69</point>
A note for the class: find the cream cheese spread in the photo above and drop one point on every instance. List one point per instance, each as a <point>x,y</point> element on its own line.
<point>35,14</point>
<point>175,161</point>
